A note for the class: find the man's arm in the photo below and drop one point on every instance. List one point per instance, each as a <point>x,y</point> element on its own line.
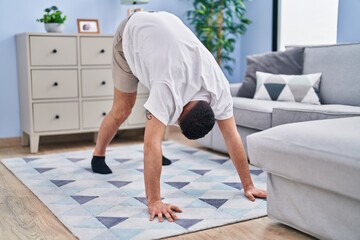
<point>238,156</point>
<point>154,134</point>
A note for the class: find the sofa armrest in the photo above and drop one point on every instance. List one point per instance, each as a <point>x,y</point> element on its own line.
<point>234,88</point>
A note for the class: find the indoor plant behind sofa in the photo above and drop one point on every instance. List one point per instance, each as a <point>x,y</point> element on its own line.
<point>339,90</point>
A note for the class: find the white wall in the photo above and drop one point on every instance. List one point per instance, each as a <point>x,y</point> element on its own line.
<point>307,22</point>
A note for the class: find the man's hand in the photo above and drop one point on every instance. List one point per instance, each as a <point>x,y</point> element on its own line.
<point>161,209</point>
<point>251,193</point>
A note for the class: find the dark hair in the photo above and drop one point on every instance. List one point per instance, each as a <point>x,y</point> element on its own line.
<point>198,121</point>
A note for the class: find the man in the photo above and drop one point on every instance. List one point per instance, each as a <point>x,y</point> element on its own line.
<point>187,87</point>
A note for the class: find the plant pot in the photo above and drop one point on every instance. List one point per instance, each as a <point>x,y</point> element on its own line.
<point>54,27</point>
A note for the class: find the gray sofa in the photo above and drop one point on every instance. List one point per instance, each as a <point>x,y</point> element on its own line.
<point>339,95</point>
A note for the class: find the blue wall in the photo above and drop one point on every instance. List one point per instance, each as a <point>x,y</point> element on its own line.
<point>18,16</point>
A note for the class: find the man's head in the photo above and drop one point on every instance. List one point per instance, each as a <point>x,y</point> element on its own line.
<point>197,119</point>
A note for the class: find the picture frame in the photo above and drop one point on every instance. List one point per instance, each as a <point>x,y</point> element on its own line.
<point>88,26</point>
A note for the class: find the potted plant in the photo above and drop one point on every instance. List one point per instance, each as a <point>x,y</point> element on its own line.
<point>53,19</point>
<point>217,24</point>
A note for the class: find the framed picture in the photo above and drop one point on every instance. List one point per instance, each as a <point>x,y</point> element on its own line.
<point>88,26</point>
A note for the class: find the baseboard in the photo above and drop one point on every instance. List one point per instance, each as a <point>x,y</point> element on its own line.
<point>10,142</point>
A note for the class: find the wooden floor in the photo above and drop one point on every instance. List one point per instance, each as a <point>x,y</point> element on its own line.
<point>23,216</point>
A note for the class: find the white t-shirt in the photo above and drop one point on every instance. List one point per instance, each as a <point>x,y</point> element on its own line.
<point>174,65</point>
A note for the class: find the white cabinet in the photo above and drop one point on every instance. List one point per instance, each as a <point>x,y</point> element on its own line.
<point>65,85</point>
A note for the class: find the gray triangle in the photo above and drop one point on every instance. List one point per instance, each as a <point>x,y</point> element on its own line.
<point>190,151</point>
<point>140,170</point>
<point>111,221</point>
<point>61,183</point>
<point>83,199</point>
<point>214,202</point>
<point>122,160</point>
<point>42,170</point>
<point>177,185</point>
<point>236,185</point>
<point>119,184</point>
<point>199,171</point>
<point>76,159</point>
<point>89,169</point>
<point>187,223</point>
<point>220,161</point>
<point>299,91</point>
<point>29,159</point>
<point>256,172</point>
<point>142,200</point>
<point>274,90</point>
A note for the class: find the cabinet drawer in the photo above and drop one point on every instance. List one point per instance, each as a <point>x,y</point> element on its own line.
<point>96,50</point>
<point>94,112</point>
<point>54,84</point>
<point>138,114</point>
<point>97,82</point>
<point>49,51</point>
<point>56,116</point>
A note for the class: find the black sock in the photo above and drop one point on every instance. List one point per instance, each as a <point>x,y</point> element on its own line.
<point>165,161</point>
<point>98,165</point>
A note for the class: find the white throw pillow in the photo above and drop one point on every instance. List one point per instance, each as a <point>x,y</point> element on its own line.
<point>288,88</point>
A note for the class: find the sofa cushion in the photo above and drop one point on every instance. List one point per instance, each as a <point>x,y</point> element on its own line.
<point>283,115</point>
<point>288,88</point>
<point>323,153</point>
<point>256,114</point>
<point>340,68</point>
<point>286,62</point>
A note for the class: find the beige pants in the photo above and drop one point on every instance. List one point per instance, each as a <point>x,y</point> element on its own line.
<point>124,79</point>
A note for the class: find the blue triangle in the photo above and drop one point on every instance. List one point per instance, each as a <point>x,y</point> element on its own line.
<point>61,183</point>
<point>89,169</point>
<point>256,172</point>
<point>187,223</point>
<point>236,185</point>
<point>220,161</point>
<point>214,202</point>
<point>177,185</point>
<point>76,159</point>
<point>119,184</point>
<point>111,221</point>
<point>83,199</point>
<point>42,170</point>
<point>140,170</point>
<point>122,160</point>
<point>201,172</point>
<point>142,200</point>
<point>274,89</point>
<point>30,159</point>
<point>190,151</point>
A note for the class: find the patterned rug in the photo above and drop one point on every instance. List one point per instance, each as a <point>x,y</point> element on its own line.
<point>204,185</point>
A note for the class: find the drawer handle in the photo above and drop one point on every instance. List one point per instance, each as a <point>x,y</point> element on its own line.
<point>54,51</point>
<point>104,113</point>
<point>57,116</point>
<point>103,83</point>
<point>56,84</point>
<point>102,50</point>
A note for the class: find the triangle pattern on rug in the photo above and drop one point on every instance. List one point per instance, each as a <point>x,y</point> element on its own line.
<point>256,172</point>
<point>122,160</point>
<point>76,159</point>
<point>142,200</point>
<point>190,151</point>
<point>199,171</point>
<point>29,159</point>
<point>109,222</point>
<point>214,202</point>
<point>83,199</point>
<point>220,161</point>
<point>119,184</point>
<point>42,170</point>
<point>177,185</point>
<point>236,185</point>
<point>187,223</point>
<point>140,170</point>
<point>61,183</point>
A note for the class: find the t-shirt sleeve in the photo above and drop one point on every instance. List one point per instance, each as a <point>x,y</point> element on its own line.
<point>161,103</point>
<point>222,105</point>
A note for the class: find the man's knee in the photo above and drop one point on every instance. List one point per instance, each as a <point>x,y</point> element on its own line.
<point>119,115</point>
